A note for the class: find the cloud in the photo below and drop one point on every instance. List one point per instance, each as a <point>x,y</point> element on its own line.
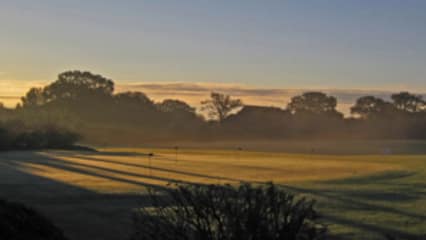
<point>193,93</point>
<point>9,101</point>
<point>17,87</point>
<point>12,90</point>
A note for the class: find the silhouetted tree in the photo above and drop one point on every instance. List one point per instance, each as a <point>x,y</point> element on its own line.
<point>85,103</point>
<point>179,119</point>
<point>257,122</point>
<point>408,102</point>
<point>77,84</point>
<point>171,105</point>
<point>215,212</point>
<point>133,98</point>
<point>5,112</point>
<point>372,107</point>
<point>314,103</point>
<point>219,106</point>
<point>34,97</point>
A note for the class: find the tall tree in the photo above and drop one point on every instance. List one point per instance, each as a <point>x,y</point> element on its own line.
<point>371,107</point>
<point>220,106</point>
<point>173,106</point>
<point>134,105</point>
<point>77,84</point>
<point>34,97</point>
<point>133,98</point>
<point>313,102</point>
<point>408,102</point>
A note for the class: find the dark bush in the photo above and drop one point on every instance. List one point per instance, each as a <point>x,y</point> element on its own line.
<point>17,136</point>
<point>6,140</point>
<point>18,222</point>
<point>213,212</point>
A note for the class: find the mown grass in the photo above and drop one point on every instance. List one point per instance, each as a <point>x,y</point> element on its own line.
<point>368,207</point>
<point>360,196</point>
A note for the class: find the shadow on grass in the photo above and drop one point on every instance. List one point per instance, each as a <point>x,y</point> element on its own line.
<point>374,194</point>
<point>85,214</point>
<point>160,169</point>
<point>81,213</point>
<point>383,177</point>
<point>378,230</point>
<point>379,199</point>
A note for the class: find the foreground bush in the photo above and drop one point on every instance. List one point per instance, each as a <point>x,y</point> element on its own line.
<point>213,212</point>
<point>18,222</point>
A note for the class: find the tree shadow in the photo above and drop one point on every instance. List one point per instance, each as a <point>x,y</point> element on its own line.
<point>86,214</point>
<point>81,213</point>
<point>383,177</point>
<point>121,154</point>
<point>379,231</point>
<point>160,169</point>
<point>356,194</point>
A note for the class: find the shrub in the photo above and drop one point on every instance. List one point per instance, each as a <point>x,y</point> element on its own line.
<point>18,222</point>
<point>47,137</point>
<point>17,136</point>
<point>213,212</point>
<point>5,139</point>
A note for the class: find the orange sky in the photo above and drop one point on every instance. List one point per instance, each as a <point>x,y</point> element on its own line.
<point>193,93</point>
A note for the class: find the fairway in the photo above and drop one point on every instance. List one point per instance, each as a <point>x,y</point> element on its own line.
<point>91,194</point>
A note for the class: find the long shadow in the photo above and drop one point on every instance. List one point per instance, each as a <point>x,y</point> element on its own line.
<point>383,177</point>
<point>81,213</point>
<point>361,200</point>
<point>351,202</point>
<point>144,166</point>
<point>382,231</point>
<point>70,166</point>
<point>408,192</point>
<point>85,214</point>
<point>85,156</point>
<point>119,154</point>
<point>354,201</point>
<point>63,165</point>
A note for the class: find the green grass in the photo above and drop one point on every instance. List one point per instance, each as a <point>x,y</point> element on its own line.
<point>366,207</point>
<point>91,195</point>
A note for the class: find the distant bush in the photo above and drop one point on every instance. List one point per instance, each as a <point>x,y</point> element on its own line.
<point>18,222</point>
<point>16,136</point>
<point>213,212</point>
<point>46,138</point>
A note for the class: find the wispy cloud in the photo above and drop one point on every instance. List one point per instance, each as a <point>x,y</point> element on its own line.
<point>16,87</point>
<point>193,93</point>
<point>12,90</point>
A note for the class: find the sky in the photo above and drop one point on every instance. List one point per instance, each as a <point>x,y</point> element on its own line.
<point>339,46</point>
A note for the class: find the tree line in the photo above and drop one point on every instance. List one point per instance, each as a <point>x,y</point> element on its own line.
<point>86,103</point>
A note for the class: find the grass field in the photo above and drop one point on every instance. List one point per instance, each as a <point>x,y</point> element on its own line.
<point>91,195</point>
